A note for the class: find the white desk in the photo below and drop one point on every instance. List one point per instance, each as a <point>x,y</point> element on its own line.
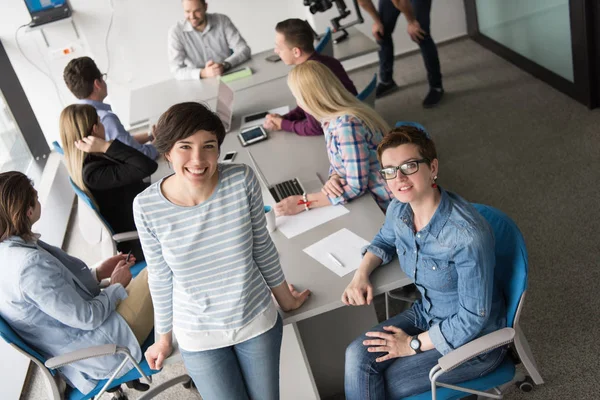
<point>282,156</point>
<point>149,102</point>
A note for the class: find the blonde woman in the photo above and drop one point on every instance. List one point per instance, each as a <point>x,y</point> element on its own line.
<point>111,173</point>
<point>352,132</point>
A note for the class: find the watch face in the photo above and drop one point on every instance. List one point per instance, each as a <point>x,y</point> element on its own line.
<point>414,344</point>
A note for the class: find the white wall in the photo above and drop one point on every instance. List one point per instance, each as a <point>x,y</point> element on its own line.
<point>137,42</point>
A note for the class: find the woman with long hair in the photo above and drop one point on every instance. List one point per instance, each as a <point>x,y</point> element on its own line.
<point>352,132</point>
<point>54,301</point>
<point>110,173</point>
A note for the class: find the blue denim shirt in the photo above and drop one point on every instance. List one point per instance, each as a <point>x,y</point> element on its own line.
<point>114,129</point>
<point>52,301</point>
<point>451,261</point>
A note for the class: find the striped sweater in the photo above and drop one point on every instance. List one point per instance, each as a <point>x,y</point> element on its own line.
<point>210,266</point>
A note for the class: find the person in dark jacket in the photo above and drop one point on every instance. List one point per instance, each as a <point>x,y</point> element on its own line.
<point>109,172</point>
<point>294,45</point>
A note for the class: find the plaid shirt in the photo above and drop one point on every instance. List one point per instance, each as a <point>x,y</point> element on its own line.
<point>352,152</point>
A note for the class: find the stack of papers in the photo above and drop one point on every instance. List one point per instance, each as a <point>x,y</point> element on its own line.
<point>294,225</point>
<point>340,251</point>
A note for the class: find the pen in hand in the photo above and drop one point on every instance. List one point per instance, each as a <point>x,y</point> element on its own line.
<point>335,260</point>
<point>128,256</point>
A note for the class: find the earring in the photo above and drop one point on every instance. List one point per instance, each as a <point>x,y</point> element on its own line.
<point>433,184</point>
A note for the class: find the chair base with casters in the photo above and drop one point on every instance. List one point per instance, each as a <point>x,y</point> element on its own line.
<point>511,274</point>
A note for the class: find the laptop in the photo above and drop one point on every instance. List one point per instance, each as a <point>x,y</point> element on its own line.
<point>46,11</point>
<point>279,191</point>
<point>225,105</point>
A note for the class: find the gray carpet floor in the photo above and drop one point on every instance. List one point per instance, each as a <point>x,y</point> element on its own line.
<point>509,140</point>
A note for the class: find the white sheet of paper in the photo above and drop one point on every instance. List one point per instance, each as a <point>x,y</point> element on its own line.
<point>279,110</point>
<point>294,225</point>
<point>344,245</point>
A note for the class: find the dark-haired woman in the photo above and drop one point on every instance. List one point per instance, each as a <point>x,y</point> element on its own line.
<point>212,264</point>
<point>447,248</point>
<point>54,302</point>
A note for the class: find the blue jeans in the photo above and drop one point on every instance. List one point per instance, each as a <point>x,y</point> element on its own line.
<point>366,379</point>
<point>247,370</point>
<point>389,15</point>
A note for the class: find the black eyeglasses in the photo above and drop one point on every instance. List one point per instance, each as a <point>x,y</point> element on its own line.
<point>408,168</point>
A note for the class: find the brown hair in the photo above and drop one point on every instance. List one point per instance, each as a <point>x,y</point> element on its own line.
<point>16,196</point>
<point>408,135</point>
<point>79,75</point>
<point>183,120</point>
<point>297,33</point>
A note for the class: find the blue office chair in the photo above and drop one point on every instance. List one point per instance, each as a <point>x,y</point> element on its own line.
<point>410,123</point>
<point>511,274</point>
<point>325,45</point>
<point>368,93</point>
<point>57,148</point>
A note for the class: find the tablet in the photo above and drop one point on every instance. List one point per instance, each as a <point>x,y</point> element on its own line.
<point>252,135</point>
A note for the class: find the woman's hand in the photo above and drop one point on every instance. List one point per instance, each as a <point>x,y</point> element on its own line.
<point>92,144</point>
<point>395,344</point>
<point>334,187</point>
<point>289,206</point>
<point>121,273</point>
<point>299,297</point>
<point>288,297</point>
<point>157,353</point>
<point>107,267</point>
<point>358,292</point>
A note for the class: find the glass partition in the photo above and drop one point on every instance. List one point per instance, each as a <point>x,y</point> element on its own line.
<point>14,153</point>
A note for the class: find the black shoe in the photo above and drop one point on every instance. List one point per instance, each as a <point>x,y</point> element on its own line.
<point>137,385</point>
<point>433,97</point>
<point>383,89</point>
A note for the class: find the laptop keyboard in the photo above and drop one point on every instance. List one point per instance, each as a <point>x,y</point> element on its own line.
<point>286,189</point>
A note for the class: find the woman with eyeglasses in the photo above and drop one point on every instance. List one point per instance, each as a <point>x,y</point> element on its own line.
<point>110,173</point>
<point>447,248</point>
<point>352,132</point>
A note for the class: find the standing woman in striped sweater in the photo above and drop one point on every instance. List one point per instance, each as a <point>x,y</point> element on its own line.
<point>211,262</point>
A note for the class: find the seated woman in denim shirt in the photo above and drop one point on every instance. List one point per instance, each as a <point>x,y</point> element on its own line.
<point>447,248</point>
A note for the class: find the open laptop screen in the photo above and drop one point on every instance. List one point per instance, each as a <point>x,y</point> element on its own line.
<point>44,11</point>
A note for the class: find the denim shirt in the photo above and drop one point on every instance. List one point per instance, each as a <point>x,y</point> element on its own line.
<point>52,301</point>
<point>114,129</point>
<point>451,261</point>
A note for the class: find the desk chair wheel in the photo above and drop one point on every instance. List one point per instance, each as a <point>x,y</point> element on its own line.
<point>525,385</point>
<point>137,385</point>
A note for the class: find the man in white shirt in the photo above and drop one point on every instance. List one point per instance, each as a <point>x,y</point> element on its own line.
<point>204,45</point>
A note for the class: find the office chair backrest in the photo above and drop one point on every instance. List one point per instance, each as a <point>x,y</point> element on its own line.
<point>325,45</point>
<point>511,258</point>
<point>368,93</point>
<point>11,337</point>
<point>58,148</point>
<point>86,199</point>
<point>415,124</point>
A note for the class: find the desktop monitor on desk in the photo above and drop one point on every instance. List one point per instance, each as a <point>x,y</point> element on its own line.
<point>46,11</point>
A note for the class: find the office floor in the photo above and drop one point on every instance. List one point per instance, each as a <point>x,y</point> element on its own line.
<point>508,140</point>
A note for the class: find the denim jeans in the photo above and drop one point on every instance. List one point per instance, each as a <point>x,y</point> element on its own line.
<point>247,370</point>
<point>389,15</point>
<point>366,379</point>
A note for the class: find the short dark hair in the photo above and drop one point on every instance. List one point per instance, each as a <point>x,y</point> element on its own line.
<point>408,135</point>
<point>183,120</point>
<point>16,196</point>
<point>79,75</point>
<point>297,33</point>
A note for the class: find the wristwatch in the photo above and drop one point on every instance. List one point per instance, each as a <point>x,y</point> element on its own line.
<point>226,66</point>
<point>415,344</point>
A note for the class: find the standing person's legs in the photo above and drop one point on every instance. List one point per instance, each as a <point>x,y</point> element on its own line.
<point>389,15</point>
<point>137,309</point>
<point>259,363</point>
<point>216,373</point>
<point>364,377</point>
<point>422,10</point>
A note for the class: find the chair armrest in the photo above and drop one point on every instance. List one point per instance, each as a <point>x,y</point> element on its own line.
<point>78,355</point>
<point>476,347</point>
<point>125,236</point>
